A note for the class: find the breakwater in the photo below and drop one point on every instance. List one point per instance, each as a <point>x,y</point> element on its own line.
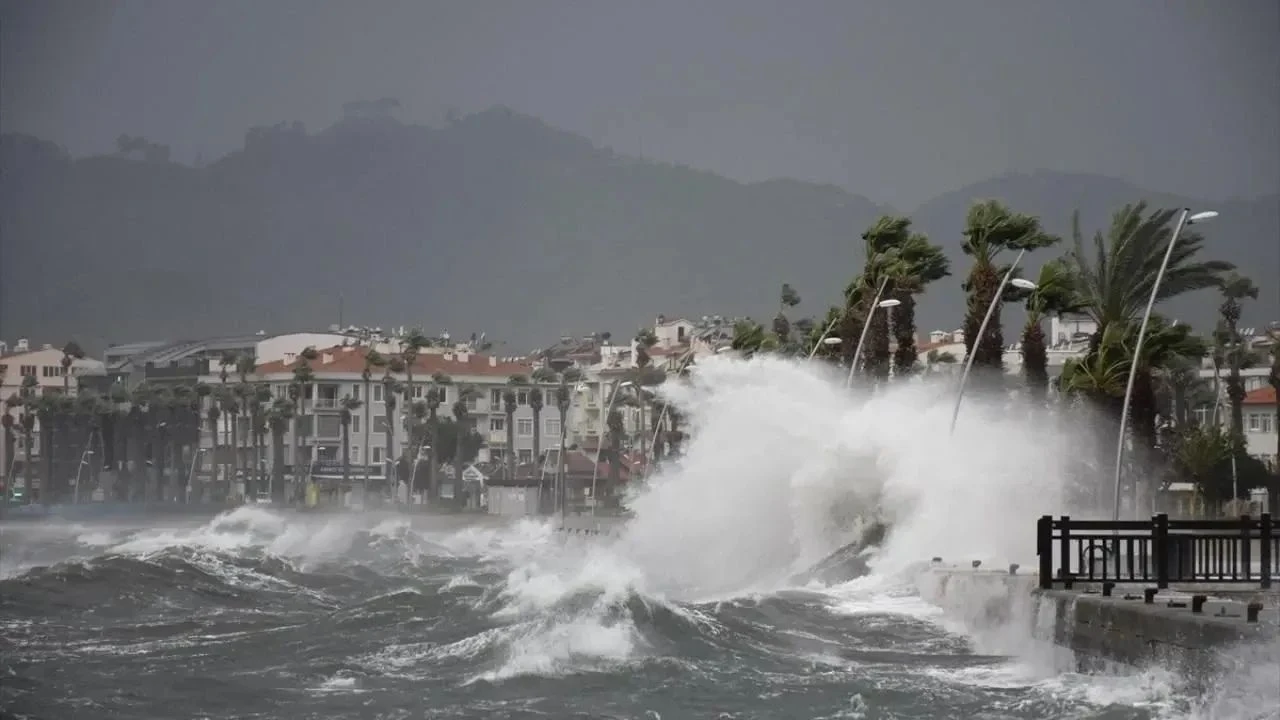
<point>1195,632</point>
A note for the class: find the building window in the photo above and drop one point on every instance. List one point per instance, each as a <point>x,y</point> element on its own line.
<point>380,423</point>
<point>52,371</point>
<point>355,454</point>
<point>376,452</point>
<point>1264,423</point>
<point>27,370</point>
<point>1255,422</point>
<point>328,426</point>
<point>355,423</point>
<point>355,392</point>
<point>526,456</point>
<point>1202,416</point>
<point>553,427</point>
<point>418,392</point>
<point>524,427</point>
<point>471,401</point>
<point>495,399</point>
<point>377,393</point>
<point>497,424</point>
<point>522,397</point>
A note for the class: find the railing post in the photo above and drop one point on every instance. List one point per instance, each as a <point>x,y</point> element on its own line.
<point>1064,550</point>
<point>1266,535</point>
<point>1160,549</point>
<point>1246,545</point>
<point>1044,550</point>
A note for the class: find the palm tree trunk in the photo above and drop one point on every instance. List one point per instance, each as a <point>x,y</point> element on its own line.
<point>537,436</point>
<point>904,332</point>
<point>346,454</point>
<point>364,454</point>
<point>876,353</point>
<point>561,463</point>
<point>433,481</point>
<point>983,283</point>
<point>1035,361</point>
<point>387,464</point>
<point>511,446</point>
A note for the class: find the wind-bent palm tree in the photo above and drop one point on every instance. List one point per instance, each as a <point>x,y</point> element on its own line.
<point>410,347</point>
<point>246,365</point>
<point>1114,278</point>
<point>991,231</point>
<point>616,429</point>
<point>349,405</point>
<point>1235,288</point>
<point>1054,294</point>
<point>372,360</point>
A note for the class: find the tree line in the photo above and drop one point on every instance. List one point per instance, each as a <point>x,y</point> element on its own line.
<point>1106,278</point>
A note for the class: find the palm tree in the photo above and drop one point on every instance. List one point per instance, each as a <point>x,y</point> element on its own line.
<point>1199,451</point>
<point>348,405</point>
<point>1235,288</point>
<point>564,398</point>
<point>616,429</point>
<point>372,359</point>
<point>303,378</point>
<point>70,353</point>
<point>991,230</point>
<point>390,386</point>
<point>28,422</point>
<point>435,398</point>
<point>1114,279</point>
<point>11,431</point>
<point>462,417</point>
<point>410,347</point>
<point>278,420</point>
<point>509,406</point>
<point>1054,294</point>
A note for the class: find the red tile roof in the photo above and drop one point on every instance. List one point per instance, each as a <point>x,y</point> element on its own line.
<point>1262,396</point>
<point>350,359</point>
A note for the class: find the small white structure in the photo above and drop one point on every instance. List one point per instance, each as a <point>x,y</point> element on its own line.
<point>513,501</point>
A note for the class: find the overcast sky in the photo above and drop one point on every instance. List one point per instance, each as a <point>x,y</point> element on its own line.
<point>898,100</point>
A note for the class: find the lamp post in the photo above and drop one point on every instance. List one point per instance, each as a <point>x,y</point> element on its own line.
<point>1186,218</point>
<point>84,461</point>
<point>826,338</point>
<point>191,474</point>
<point>1005,281</point>
<point>684,363</point>
<point>876,304</point>
<point>604,418</point>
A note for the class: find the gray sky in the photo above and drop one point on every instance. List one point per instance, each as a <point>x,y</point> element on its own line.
<point>897,100</point>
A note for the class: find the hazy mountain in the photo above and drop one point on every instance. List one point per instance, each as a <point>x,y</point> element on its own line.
<point>495,223</point>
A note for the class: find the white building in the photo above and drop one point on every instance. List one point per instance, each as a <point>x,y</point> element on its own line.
<point>1261,424</point>
<point>45,366</point>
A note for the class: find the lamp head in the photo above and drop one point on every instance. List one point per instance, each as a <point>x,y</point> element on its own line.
<point>891,302</point>
<point>1022,283</point>
<point>1202,216</point>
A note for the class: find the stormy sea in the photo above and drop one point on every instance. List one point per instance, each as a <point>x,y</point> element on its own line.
<point>701,605</point>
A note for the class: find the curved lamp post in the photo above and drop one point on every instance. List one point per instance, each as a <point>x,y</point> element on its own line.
<point>1005,281</point>
<point>84,462</point>
<point>191,473</point>
<point>1186,218</point>
<point>826,338</point>
<point>876,304</point>
<point>604,418</point>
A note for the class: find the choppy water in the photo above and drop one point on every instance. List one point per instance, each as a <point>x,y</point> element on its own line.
<point>688,613</point>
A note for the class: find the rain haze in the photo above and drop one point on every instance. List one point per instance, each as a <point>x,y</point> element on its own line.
<point>897,103</point>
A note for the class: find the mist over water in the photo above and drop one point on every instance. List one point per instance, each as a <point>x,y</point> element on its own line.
<point>691,611</point>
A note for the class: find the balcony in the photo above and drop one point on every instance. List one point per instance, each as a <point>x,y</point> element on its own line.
<point>322,403</point>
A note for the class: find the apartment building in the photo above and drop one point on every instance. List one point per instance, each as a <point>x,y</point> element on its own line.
<point>337,373</point>
<point>1261,424</point>
<point>45,366</point>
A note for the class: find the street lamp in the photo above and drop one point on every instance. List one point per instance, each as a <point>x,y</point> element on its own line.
<point>84,461</point>
<point>1186,218</point>
<point>595,468</point>
<point>1008,279</point>
<point>876,303</point>
<point>191,474</point>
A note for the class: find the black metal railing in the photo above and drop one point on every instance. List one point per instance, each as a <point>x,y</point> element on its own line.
<point>1160,551</point>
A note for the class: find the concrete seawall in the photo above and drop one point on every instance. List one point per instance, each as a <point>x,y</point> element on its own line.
<point>1002,610</point>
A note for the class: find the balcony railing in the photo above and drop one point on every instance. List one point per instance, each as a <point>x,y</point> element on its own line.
<point>324,404</point>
